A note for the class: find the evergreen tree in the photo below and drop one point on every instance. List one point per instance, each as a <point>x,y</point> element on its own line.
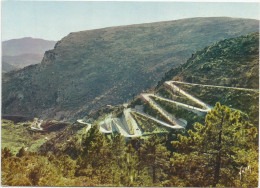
<point>214,154</point>
<point>131,161</point>
<point>117,160</point>
<point>96,157</point>
<point>93,141</point>
<point>155,157</point>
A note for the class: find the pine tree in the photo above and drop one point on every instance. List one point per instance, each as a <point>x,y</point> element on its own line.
<point>117,160</point>
<point>214,153</point>
<point>96,157</point>
<point>155,157</point>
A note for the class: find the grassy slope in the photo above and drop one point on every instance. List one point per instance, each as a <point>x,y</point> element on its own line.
<point>90,69</point>
<point>17,135</point>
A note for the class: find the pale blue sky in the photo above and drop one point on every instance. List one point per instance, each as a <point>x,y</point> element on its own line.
<point>54,20</point>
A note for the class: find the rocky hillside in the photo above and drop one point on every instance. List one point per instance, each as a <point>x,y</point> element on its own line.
<point>90,69</point>
<point>23,52</point>
<point>230,62</point>
<point>244,100</point>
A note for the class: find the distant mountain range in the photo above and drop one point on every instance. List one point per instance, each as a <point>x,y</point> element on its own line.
<point>18,53</point>
<point>88,70</point>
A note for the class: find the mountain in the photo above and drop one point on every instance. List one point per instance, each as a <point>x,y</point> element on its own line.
<point>91,69</point>
<point>230,62</point>
<point>26,45</point>
<point>233,63</point>
<point>23,52</point>
<point>235,53</point>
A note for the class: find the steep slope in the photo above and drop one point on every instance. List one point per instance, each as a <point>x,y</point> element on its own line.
<point>90,69</point>
<point>69,139</point>
<point>230,62</point>
<point>245,100</point>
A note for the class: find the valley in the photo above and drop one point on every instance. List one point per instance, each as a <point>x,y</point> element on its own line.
<point>111,65</point>
<point>97,111</point>
<point>175,104</point>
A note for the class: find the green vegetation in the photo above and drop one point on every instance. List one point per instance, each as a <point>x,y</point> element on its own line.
<point>67,141</point>
<point>244,100</point>
<point>223,152</point>
<point>148,126</point>
<point>153,112</point>
<point>178,112</point>
<point>164,92</point>
<point>230,62</point>
<point>91,69</point>
<point>32,169</point>
<point>17,135</point>
<point>215,153</point>
<point>136,101</point>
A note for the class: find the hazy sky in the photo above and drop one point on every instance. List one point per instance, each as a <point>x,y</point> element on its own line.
<point>54,20</point>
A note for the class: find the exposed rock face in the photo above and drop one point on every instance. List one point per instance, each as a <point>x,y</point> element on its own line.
<point>48,58</point>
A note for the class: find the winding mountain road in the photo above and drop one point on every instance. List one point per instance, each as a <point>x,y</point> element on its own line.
<point>118,124</point>
<point>175,88</point>
<point>130,120</point>
<point>163,112</point>
<point>82,122</point>
<point>157,120</point>
<point>128,127</point>
<point>106,125</point>
<point>226,87</point>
